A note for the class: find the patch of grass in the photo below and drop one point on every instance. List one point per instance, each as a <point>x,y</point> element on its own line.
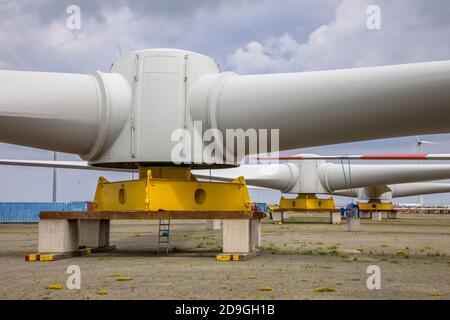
<point>102,292</point>
<point>435,254</point>
<point>273,248</point>
<point>124,279</point>
<point>325,290</point>
<point>54,286</point>
<point>436,294</point>
<point>335,252</point>
<point>265,289</point>
<point>403,253</point>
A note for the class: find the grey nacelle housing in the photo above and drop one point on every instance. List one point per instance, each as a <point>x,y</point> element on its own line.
<point>161,81</point>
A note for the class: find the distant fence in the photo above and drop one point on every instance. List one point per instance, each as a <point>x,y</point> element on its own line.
<point>28,212</point>
<point>425,211</point>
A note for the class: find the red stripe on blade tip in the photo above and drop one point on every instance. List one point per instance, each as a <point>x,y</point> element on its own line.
<point>418,156</point>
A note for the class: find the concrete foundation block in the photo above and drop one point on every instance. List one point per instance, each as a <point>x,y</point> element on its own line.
<point>276,216</point>
<point>279,216</point>
<point>94,233</point>
<point>377,216</point>
<point>364,214</point>
<point>58,236</point>
<point>335,217</point>
<point>241,236</point>
<point>393,215</point>
<point>214,224</point>
<point>256,233</point>
<point>353,224</point>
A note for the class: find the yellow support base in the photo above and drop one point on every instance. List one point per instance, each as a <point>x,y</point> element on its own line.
<point>236,256</point>
<point>375,205</point>
<point>171,189</point>
<point>306,202</point>
<point>47,257</point>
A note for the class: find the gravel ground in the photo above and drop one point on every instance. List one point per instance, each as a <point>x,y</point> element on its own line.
<point>301,259</point>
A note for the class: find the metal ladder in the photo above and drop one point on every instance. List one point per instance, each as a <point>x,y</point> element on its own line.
<point>163,235</point>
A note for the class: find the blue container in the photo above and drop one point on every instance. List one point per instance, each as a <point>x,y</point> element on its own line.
<point>28,212</point>
<point>350,211</point>
<point>262,206</point>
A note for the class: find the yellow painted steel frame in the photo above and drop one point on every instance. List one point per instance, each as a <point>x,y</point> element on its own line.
<point>171,189</point>
<point>375,205</point>
<point>308,201</point>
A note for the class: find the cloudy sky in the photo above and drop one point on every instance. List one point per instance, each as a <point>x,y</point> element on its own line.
<point>244,36</point>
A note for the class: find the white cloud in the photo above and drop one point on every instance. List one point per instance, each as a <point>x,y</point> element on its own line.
<point>408,34</point>
<point>33,35</point>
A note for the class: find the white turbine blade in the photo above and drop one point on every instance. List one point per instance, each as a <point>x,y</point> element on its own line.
<point>429,142</point>
<point>405,156</point>
<point>80,165</point>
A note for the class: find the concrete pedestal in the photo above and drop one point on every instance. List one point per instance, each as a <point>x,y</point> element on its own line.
<point>256,232</point>
<point>94,233</point>
<point>276,217</point>
<point>364,214</point>
<point>241,236</point>
<point>393,215</point>
<point>214,224</point>
<point>58,236</point>
<point>376,216</point>
<point>279,216</point>
<point>353,224</point>
<point>335,217</point>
